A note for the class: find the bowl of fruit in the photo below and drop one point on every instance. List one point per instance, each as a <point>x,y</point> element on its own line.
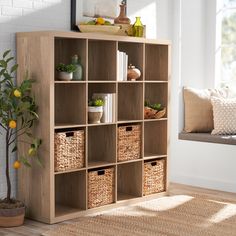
<point>98,25</point>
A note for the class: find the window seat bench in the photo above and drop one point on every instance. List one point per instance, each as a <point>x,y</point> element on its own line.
<point>207,137</point>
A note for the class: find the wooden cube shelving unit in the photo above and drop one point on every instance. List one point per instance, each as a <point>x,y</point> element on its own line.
<point>51,196</point>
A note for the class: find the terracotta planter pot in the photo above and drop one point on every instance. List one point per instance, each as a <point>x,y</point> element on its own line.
<point>12,217</point>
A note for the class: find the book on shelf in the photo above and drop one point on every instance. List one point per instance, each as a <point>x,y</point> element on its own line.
<point>122,66</point>
<point>109,107</point>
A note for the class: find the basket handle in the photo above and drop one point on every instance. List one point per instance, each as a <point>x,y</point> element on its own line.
<point>69,134</point>
<point>101,172</point>
<point>129,128</point>
<point>154,163</point>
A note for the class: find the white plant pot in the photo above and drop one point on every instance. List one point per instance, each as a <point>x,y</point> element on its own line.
<point>95,109</point>
<point>95,114</point>
<point>65,76</point>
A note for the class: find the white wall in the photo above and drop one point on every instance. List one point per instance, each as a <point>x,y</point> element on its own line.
<point>27,15</point>
<point>34,15</point>
<point>195,163</point>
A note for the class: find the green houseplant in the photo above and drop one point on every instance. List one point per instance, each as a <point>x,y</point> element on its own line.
<point>65,72</point>
<point>18,113</point>
<point>95,110</point>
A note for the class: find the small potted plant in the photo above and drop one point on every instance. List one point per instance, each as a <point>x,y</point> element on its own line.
<point>65,72</point>
<point>95,110</point>
<point>153,111</point>
<point>18,113</point>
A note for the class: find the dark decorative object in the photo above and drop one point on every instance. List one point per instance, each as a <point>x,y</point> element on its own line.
<point>74,10</point>
<point>122,18</point>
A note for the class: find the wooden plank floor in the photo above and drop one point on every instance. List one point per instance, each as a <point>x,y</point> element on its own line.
<point>33,228</point>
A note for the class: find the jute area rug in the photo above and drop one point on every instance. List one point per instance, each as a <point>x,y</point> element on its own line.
<point>179,215</point>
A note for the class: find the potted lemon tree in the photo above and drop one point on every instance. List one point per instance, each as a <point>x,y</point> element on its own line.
<point>18,113</point>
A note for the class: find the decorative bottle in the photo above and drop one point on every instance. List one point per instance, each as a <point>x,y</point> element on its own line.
<point>78,74</point>
<point>138,28</point>
<point>122,18</point>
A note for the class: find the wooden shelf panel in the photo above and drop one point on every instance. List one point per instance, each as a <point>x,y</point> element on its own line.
<point>70,192</point>
<point>70,103</point>
<point>129,121</point>
<point>129,179</point>
<point>68,126</point>
<point>154,120</point>
<point>157,81</point>
<point>150,156</point>
<point>101,144</point>
<point>69,171</point>
<point>155,138</point>
<point>130,101</point>
<point>98,164</point>
<point>156,62</point>
<point>130,161</point>
<point>123,197</point>
<point>101,82</point>
<point>61,210</point>
<point>130,82</point>
<point>101,60</point>
<point>69,82</point>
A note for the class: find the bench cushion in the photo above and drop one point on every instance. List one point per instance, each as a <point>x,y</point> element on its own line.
<point>207,137</point>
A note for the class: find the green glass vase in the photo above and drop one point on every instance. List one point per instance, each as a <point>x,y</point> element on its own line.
<point>78,74</point>
<point>138,28</point>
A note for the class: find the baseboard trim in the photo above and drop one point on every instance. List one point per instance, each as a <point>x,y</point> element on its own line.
<point>204,183</point>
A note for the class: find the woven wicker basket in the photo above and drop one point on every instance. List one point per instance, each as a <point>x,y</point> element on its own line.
<point>69,150</point>
<point>101,187</point>
<point>154,177</point>
<point>129,142</point>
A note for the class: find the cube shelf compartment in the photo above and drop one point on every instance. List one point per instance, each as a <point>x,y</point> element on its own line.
<point>65,48</point>
<point>69,196</point>
<point>157,93</point>
<point>70,104</point>
<point>155,138</point>
<point>135,53</point>
<point>129,177</point>
<point>156,66</point>
<point>130,101</point>
<point>101,145</point>
<point>63,106</point>
<point>101,60</point>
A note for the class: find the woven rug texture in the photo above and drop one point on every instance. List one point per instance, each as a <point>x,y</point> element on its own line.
<point>179,215</point>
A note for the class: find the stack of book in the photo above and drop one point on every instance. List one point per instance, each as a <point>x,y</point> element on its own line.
<point>109,107</point>
<point>122,66</point>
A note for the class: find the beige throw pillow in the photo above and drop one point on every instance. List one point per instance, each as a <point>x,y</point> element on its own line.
<point>198,108</point>
<point>224,114</point>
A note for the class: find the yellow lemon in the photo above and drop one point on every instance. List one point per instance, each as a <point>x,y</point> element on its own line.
<point>12,124</point>
<point>17,93</point>
<point>100,21</point>
<point>16,165</point>
<point>31,152</point>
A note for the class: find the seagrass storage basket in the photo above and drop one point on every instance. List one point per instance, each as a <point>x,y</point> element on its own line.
<point>129,142</point>
<point>69,150</point>
<point>154,177</point>
<point>101,187</point>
